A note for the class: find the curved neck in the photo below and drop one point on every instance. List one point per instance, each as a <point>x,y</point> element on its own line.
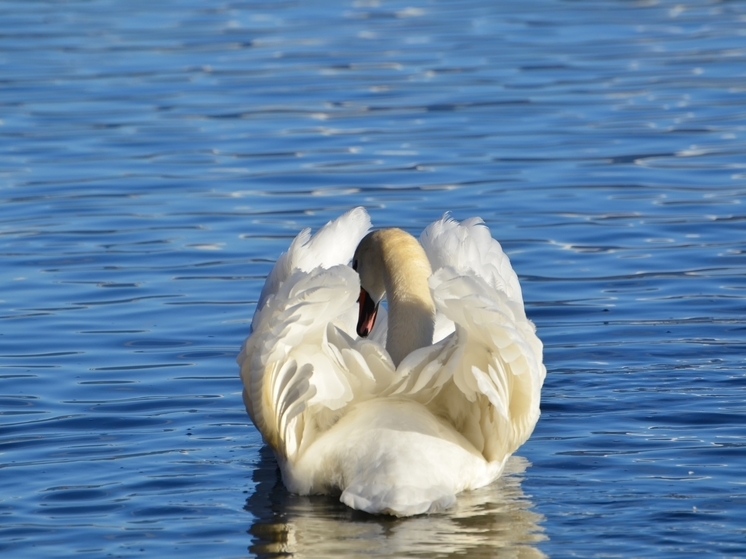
<point>411,309</point>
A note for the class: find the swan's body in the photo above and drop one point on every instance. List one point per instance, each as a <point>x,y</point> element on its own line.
<point>399,431</point>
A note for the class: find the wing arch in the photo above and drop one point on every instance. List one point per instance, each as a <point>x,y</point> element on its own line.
<point>485,376</point>
<point>302,364</point>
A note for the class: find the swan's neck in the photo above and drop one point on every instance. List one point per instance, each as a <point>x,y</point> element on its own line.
<point>411,309</point>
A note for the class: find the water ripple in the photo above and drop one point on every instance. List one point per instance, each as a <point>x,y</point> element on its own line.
<point>155,159</point>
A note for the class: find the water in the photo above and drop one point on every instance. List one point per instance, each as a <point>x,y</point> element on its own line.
<point>156,157</point>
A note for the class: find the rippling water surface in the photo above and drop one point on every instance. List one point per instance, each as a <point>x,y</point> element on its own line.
<point>156,157</point>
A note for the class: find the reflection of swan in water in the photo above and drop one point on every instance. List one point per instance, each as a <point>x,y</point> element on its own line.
<point>487,522</point>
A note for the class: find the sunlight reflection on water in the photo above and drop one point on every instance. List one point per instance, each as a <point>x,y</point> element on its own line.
<point>488,520</point>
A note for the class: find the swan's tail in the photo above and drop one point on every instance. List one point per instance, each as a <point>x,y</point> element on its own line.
<point>391,456</point>
<point>398,500</point>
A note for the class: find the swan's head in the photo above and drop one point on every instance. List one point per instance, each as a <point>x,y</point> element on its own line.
<point>368,263</point>
<point>391,262</point>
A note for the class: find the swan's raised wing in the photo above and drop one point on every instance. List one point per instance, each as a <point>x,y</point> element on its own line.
<point>301,364</point>
<point>485,378</point>
<point>468,247</point>
<point>333,244</point>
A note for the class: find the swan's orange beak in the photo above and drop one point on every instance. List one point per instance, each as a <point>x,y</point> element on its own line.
<point>367,317</point>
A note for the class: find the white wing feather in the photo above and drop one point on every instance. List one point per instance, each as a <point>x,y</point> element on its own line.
<point>333,244</point>
<point>298,366</point>
<point>468,247</point>
<point>486,376</point>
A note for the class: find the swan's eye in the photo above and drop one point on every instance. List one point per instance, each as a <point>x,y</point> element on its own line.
<point>354,265</point>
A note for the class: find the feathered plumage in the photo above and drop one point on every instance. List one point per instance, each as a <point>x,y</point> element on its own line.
<point>342,418</point>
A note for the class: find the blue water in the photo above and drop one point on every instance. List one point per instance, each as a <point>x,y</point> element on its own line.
<point>156,157</point>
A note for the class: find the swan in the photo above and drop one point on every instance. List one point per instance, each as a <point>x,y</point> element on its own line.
<point>397,409</point>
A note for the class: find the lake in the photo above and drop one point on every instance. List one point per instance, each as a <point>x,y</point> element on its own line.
<point>157,157</point>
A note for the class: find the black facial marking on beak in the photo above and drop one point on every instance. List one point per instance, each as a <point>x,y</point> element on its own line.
<point>367,316</point>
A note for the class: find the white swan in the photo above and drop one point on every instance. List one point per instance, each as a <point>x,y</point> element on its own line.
<point>399,430</point>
